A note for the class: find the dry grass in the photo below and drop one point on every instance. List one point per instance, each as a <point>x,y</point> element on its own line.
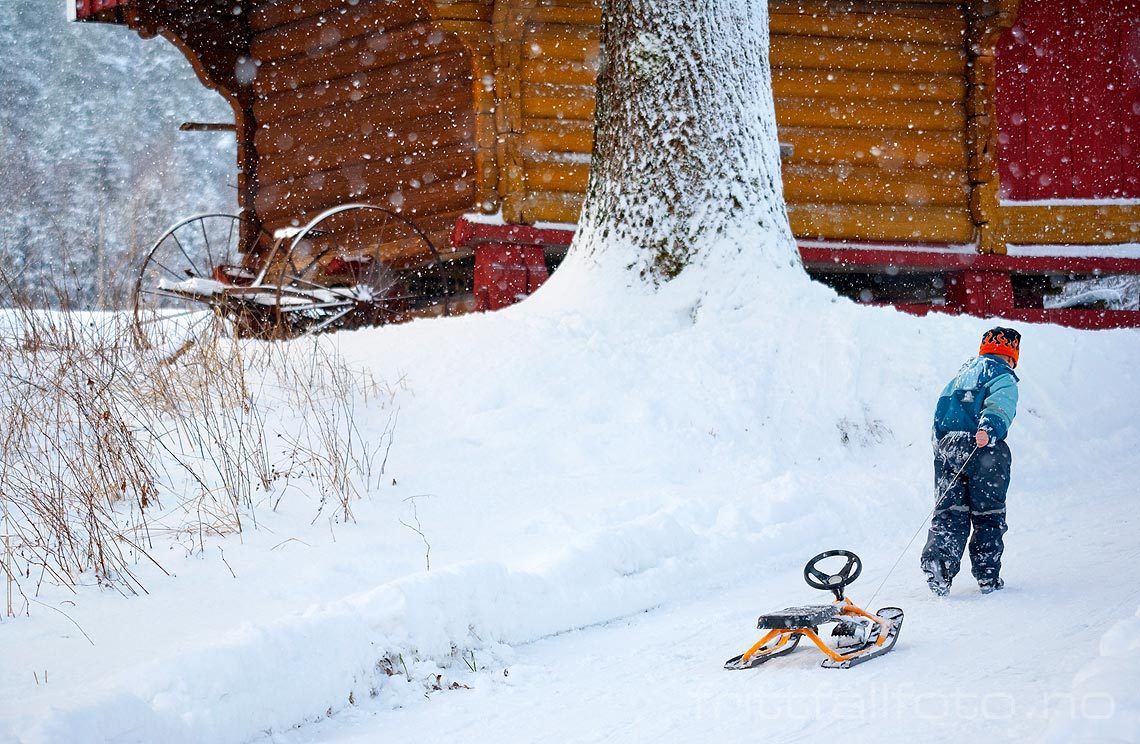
<point>107,448</point>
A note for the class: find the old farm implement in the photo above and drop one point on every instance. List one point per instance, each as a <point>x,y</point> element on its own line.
<point>350,266</point>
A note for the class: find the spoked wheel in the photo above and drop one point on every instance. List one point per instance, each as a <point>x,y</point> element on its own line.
<point>179,294</point>
<point>358,265</point>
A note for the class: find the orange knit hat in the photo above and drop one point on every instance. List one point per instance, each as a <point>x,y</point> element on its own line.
<point>1004,341</point>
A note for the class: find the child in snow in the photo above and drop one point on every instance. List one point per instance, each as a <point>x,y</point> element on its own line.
<point>971,465</point>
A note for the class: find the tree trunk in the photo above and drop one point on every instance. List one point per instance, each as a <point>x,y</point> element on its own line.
<point>686,161</point>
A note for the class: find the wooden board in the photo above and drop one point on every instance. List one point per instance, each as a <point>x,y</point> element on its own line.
<point>387,83</point>
<point>406,138</point>
<point>889,148</point>
<point>904,188</point>
<point>862,113</point>
<point>557,137</point>
<point>436,130</point>
<point>830,54</point>
<point>358,181</point>
<point>364,117</point>
<point>562,43</point>
<point>559,72</point>
<point>417,204</point>
<point>349,58</point>
<point>562,102</point>
<point>1082,225</point>
<point>943,10</point>
<point>321,32</point>
<point>880,223</point>
<point>268,15</point>
<point>897,27</point>
<point>560,207</point>
<point>556,176</point>
<point>879,85</point>
<point>473,10</point>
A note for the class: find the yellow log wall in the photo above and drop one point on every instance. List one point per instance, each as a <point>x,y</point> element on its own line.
<point>871,97</point>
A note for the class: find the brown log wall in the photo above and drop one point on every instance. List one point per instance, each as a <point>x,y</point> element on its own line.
<point>546,53</point>
<point>440,107</point>
<point>368,101</point>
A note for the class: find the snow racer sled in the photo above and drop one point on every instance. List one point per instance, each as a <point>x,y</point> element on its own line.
<point>858,635</point>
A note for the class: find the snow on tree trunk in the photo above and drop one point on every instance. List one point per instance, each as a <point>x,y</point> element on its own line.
<point>686,160</point>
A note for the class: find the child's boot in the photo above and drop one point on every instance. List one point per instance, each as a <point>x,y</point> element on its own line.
<point>937,578</point>
<point>988,586</point>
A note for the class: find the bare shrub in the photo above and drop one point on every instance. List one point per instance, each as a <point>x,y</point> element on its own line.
<point>330,450</point>
<point>69,457</point>
<point>105,447</point>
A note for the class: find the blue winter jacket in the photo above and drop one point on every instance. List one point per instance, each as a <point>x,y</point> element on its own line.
<point>982,397</point>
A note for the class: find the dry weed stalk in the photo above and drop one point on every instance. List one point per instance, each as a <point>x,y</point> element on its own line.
<point>330,450</point>
<point>104,446</point>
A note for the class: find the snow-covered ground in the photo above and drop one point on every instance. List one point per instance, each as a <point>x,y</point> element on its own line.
<point>610,484</point>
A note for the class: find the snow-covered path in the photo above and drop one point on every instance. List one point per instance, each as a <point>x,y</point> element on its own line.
<point>609,505</point>
<point>966,668</point>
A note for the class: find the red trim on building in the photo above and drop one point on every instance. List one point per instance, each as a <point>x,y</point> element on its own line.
<point>506,274</point>
<point>1086,319</point>
<point>872,258</point>
<point>467,233</point>
<point>85,9</point>
<point>978,283</point>
<point>510,260</point>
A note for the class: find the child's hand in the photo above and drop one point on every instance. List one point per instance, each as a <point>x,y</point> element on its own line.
<point>981,439</point>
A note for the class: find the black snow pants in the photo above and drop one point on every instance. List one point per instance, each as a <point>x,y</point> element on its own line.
<point>975,498</point>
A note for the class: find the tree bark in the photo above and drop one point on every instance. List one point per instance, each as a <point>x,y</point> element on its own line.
<point>686,158</point>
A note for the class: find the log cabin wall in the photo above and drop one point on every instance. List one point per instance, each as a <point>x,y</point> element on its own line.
<point>452,106</point>
<point>870,95</point>
<point>444,107</point>
<point>546,56</point>
<point>470,22</point>
<point>362,102</point>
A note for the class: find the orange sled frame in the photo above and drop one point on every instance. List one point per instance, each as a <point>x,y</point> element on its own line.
<point>781,641</point>
<point>860,635</point>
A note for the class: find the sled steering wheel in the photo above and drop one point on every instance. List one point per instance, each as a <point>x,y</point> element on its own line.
<point>817,579</point>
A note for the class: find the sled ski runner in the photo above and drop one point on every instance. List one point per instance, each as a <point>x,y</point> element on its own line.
<point>858,635</point>
<point>765,649</point>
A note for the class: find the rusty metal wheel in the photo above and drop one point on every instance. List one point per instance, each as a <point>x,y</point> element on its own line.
<point>180,292</point>
<point>358,265</point>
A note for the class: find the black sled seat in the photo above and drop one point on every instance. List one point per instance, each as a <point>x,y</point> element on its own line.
<point>808,616</point>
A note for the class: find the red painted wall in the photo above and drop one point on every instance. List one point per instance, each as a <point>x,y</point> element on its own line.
<point>1068,100</point>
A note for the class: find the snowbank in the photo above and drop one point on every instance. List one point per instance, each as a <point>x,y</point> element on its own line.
<point>592,453</point>
<point>1104,703</point>
<point>260,676</point>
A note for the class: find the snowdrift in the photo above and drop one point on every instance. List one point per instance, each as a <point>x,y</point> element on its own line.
<point>593,453</point>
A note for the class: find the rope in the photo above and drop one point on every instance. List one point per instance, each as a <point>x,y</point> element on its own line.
<point>921,525</point>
